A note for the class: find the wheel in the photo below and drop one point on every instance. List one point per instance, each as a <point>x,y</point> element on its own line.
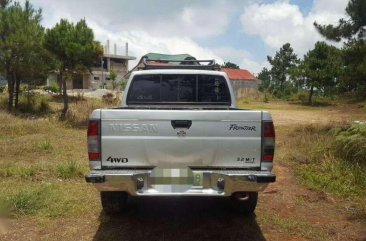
<point>113,202</point>
<point>244,202</point>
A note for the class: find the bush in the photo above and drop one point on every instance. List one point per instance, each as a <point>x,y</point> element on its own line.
<point>317,154</point>
<point>53,87</point>
<point>70,169</point>
<point>123,84</point>
<point>111,98</point>
<point>350,143</point>
<point>34,104</point>
<point>300,97</point>
<point>27,201</point>
<point>78,113</point>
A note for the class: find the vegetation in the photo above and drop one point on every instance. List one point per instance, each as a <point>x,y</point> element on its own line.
<point>76,51</point>
<point>325,70</point>
<point>347,28</point>
<point>329,158</point>
<point>113,77</point>
<point>320,69</point>
<point>22,56</point>
<point>230,65</point>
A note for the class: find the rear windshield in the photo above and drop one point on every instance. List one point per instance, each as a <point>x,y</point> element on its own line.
<point>179,89</point>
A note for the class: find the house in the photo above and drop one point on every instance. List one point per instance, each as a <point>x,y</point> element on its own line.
<point>243,81</point>
<point>99,75</point>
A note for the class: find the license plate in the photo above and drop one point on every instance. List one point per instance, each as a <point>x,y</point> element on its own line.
<point>183,176</point>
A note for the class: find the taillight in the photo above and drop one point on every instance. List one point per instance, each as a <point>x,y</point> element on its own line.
<point>94,140</point>
<point>268,141</point>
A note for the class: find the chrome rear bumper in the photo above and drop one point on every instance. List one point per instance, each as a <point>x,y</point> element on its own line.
<point>202,183</point>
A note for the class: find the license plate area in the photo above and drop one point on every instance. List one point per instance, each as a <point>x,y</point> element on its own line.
<point>175,180</point>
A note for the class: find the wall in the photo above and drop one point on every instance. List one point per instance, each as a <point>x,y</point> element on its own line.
<point>242,88</point>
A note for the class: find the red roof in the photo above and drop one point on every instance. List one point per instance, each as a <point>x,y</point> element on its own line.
<point>238,74</point>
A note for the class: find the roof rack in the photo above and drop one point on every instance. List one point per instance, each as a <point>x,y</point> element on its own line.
<point>182,64</point>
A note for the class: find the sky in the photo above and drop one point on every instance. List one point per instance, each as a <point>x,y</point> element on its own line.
<point>239,31</point>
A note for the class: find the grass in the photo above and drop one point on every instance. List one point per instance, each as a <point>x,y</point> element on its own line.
<point>71,169</point>
<point>311,150</point>
<point>50,200</point>
<point>294,226</point>
<point>42,167</point>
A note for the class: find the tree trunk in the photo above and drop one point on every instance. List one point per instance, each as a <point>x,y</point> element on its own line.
<point>17,88</point>
<point>311,94</point>
<point>65,97</point>
<point>11,92</point>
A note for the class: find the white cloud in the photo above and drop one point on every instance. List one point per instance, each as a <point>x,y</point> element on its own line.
<point>159,18</point>
<point>243,58</point>
<point>141,42</point>
<point>281,22</point>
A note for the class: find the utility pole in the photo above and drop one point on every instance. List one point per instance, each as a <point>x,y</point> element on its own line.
<point>102,69</point>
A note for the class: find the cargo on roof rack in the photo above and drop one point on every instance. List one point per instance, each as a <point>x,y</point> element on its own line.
<point>178,64</point>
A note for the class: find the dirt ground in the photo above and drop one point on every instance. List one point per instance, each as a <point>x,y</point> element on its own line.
<point>286,210</point>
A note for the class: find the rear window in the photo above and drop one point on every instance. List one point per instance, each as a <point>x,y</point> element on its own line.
<point>179,89</point>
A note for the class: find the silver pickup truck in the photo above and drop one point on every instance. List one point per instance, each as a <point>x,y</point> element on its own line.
<point>180,133</point>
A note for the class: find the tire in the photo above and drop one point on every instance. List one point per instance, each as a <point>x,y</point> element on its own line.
<point>113,202</point>
<point>246,207</point>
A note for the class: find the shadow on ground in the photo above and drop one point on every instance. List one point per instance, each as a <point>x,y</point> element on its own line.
<point>178,219</point>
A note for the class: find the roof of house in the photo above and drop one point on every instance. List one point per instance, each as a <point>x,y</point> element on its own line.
<point>238,74</point>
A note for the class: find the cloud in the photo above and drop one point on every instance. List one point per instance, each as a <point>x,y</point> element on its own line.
<point>243,58</point>
<point>281,22</point>
<point>159,18</point>
<point>141,42</point>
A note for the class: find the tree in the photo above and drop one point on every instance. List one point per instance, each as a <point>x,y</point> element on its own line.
<point>22,56</point>
<point>354,51</point>
<point>75,49</point>
<point>282,63</point>
<point>354,79</point>
<point>321,67</point>
<point>265,77</point>
<point>113,77</point>
<point>230,65</point>
<point>356,10</point>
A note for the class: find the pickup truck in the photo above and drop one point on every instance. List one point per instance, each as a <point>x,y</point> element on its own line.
<point>180,133</point>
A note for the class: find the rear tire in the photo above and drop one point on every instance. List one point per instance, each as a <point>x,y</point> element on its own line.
<point>113,202</point>
<point>245,207</point>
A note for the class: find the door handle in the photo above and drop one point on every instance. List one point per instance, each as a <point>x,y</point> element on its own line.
<point>181,124</point>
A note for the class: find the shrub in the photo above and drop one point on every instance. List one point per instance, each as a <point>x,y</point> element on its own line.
<point>27,201</point>
<point>70,169</point>
<point>300,97</point>
<point>111,98</point>
<point>350,143</point>
<point>45,146</point>
<point>123,84</point>
<point>53,87</point>
<point>34,104</point>
<point>78,113</point>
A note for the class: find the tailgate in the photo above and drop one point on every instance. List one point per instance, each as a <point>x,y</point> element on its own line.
<point>181,138</point>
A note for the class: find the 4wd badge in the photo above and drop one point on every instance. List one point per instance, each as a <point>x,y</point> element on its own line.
<point>117,159</point>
